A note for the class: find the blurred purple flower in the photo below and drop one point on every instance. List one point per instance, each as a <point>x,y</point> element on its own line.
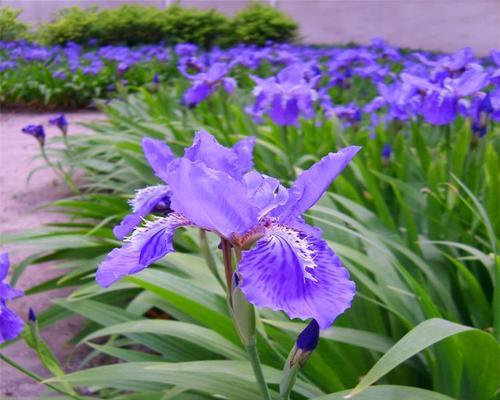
<point>10,324</point>
<point>61,122</point>
<point>36,131</point>
<point>205,83</point>
<point>286,96</point>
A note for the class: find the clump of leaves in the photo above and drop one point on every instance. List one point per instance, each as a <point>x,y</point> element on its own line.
<point>10,27</point>
<point>259,23</point>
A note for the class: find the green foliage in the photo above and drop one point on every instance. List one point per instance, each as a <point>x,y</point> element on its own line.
<point>135,24</point>
<point>71,24</point>
<point>259,23</point>
<point>190,25</point>
<point>131,24</point>
<point>10,27</point>
<point>417,235</point>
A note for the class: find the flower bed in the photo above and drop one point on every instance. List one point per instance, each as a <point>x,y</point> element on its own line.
<point>232,154</point>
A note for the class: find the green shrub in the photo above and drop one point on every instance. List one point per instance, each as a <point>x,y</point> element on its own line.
<point>259,23</point>
<point>191,25</point>
<point>135,24</point>
<point>130,23</point>
<point>72,24</point>
<point>10,27</point>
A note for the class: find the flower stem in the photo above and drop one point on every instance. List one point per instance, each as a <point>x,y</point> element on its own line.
<point>35,377</point>
<point>253,355</point>
<point>60,172</point>
<point>228,264</point>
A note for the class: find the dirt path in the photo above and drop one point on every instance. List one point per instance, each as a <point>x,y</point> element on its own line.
<point>17,204</point>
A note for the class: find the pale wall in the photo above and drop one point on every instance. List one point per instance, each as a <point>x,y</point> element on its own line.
<point>443,25</point>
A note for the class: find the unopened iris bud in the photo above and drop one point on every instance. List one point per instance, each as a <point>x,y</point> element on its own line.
<point>31,315</point>
<point>386,153</point>
<point>61,122</point>
<point>37,132</point>
<point>155,82</point>
<point>306,343</point>
<point>304,346</point>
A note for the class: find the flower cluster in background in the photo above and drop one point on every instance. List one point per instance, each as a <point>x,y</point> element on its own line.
<point>377,82</point>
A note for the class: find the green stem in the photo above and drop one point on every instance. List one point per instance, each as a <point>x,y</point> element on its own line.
<point>243,318</point>
<point>253,355</point>
<point>35,377</point>
<point>59,172</point>
<point>447,132</point>
<point>284,136</point>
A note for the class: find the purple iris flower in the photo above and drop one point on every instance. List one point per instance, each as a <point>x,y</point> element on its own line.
<point>205,83</point>
<point>285,265</point>
<point>399,99</point>
<point>495,57</point>
<point>286,96</point>
<point>36,131</point>
<point>440,103</point>
<point>350,113</point>
<point>10,324</point>
<point>61,122</point>
<point>186,49</point>
<point>483,108</point>
<point>386,151</point>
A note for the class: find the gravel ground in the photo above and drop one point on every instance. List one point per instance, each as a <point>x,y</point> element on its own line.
<point>18,203</point>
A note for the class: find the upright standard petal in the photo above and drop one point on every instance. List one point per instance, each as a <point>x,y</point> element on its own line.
<point>298,274</point>
<point>211,199</point>
<point>312,183</point>
<point>144,202</point>
<point>146,245</point>
<point>10,324</point>
<point>233,161</point>
<point>158,155</point>
<point>267,192</point>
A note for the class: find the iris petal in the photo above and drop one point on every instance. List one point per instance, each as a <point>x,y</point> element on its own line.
<point>267,192</point>
<point>146,245</point>
<point>10,324</point>
<point>158,155</point>
<point>197,93</point>
<point>7,292</point>
<point>143,203</point>
<point>234,161</point>
<point>312,183</point>
<point>211,199</point>
<point>298,274</point>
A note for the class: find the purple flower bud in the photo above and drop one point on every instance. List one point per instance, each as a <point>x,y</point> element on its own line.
<point>309,337</point>
<point>31,315</point>
<point>36,131</point>
<point>386,151</point>
<point>61,122</point>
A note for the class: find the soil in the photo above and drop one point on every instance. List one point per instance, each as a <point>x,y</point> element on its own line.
<point>19,211</point>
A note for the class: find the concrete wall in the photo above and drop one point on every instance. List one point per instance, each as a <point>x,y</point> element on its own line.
<point>445,25</point>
